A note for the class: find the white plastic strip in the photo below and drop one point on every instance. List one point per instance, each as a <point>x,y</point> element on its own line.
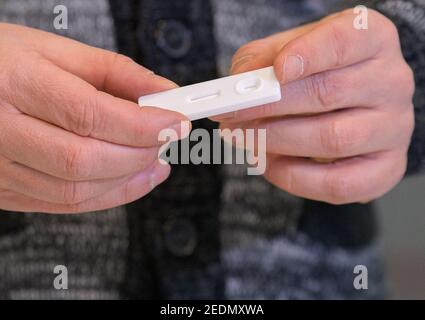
<point>211,98</point>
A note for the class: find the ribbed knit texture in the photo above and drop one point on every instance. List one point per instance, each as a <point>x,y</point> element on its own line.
<point>253,240</point>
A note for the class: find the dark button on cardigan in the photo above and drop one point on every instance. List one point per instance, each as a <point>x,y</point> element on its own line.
<point>173,37</point>
<point>175,227</point>
<point>180,237</point>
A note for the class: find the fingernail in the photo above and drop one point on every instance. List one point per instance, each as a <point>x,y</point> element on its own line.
<point>240,62</point>
<point>293,68</point>
<point>168,83</point>
<point>182,128</point>
<point>158,174</point>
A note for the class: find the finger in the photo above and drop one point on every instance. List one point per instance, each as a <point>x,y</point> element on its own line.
<point>107,71</point>
<point>330,43</point>
<point>48,93</point>
<point>331,90</point>
<point>54,151</point>
<point>336,44</point>
<point>134,189</point>
<point>34,184</point>
<point>346,181</point>
<point>346,133</point>
<point>261,53</point>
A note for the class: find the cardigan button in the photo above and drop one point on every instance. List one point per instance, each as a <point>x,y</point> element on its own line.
<point>180,237</point>
<point>173,37</point>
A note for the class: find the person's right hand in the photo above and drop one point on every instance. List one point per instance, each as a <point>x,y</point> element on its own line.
<point>71,139</point>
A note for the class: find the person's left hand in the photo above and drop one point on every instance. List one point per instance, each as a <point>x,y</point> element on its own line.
<point>347,100</point>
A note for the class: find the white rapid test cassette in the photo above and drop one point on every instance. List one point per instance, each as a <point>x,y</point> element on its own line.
<point>211,98</point>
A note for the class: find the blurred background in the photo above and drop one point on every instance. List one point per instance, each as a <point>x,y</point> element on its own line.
<point>402,218</point>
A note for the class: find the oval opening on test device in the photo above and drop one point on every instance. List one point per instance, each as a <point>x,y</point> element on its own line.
<point>248,85</point>
<point>204,96</point>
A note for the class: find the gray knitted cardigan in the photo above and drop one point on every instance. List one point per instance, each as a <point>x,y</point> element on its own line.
<point>209,232</point>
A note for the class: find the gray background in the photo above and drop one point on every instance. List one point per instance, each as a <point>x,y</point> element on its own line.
<point>402,218</point>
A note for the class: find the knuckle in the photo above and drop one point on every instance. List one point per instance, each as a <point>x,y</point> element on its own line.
<point>408,124</point>
<point>267,110</point>
<point>83,121</point>
<point>72,193</point>
<point>149,156</point>
<point>116,60</point>
<point>120,60</point>
<point>335,138</point>
<point>113,61</point>
<point>127,192</point>
<point>291,181</point>
<point>76,167</point>
<point>338,43</point>
<point>17,77</point>
<point>403,166</point>
<point>144,131</point>
<point>407,79</point>
<point>411,121</point>
<point>402,78</point>
<point>399,169</point>
<point>338,188</point>
<point>324,88</point>
<point>282,176</point>
<point>387,29</point>
<point>391,32</point>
